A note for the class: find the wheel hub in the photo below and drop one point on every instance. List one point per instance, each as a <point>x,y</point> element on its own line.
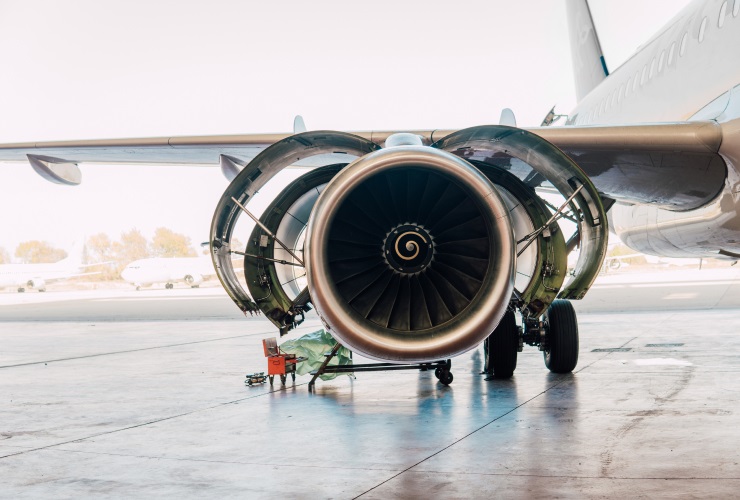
<point>408,249</point>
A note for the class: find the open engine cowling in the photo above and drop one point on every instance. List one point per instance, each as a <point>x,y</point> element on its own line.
<point>409,253</point>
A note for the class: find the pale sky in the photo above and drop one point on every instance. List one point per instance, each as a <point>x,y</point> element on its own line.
<point>88,69</point>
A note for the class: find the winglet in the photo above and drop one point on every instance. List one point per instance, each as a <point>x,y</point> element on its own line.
<point>589,65</point>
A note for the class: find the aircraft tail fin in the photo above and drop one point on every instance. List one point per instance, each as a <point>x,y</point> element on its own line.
<point>589,65</point>
<point>74,257</point>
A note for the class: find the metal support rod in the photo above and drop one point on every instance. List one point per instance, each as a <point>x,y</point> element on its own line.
<point>269,233</point>
<point>266,258</point>
<point>568,216</point>
<point>558,213</point>
<point>321,369</point>
<point>353,369</point>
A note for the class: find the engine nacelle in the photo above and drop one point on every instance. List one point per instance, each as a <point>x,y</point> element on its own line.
<point>37,283</point>
<point>193,280</point>
<point>410,255</point>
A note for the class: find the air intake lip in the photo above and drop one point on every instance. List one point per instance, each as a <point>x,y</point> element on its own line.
<point>409,255</point>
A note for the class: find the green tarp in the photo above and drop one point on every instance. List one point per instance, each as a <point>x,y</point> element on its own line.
<point>313,346</point>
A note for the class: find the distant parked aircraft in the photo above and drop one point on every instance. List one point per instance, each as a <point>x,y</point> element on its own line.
<point>188,270</point>
<point>37,276</point>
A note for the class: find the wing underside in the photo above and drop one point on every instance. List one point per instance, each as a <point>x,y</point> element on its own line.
<point>676,166</point>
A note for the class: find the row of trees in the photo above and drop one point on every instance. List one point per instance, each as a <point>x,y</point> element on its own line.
<point>33,252</point>
<point>132,246</point>
<point>101,248</point>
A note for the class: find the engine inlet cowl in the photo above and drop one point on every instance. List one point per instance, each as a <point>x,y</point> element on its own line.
<point>410,255</point>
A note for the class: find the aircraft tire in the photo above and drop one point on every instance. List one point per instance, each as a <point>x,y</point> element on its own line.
<point>561,355</point>
<point>21,290</point>
<point>501,348</point>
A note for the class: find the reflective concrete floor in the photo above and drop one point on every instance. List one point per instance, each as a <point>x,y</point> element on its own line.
<point>145,408</point>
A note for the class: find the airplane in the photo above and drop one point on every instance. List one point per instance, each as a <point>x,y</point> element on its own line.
<point>189,270</point>
<point>37,276</point>
<point>419,245</point>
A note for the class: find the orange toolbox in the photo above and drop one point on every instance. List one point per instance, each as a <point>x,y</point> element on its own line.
<point>278,362</point>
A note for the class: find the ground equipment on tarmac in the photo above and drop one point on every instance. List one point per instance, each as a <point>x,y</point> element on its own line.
<point>255,378</point>
<point>278,362</point>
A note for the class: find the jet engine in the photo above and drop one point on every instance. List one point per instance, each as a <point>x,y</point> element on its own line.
<point>37,283</point>
<point>193,280</point>
<point>413,251</point>
<point>409,255</point>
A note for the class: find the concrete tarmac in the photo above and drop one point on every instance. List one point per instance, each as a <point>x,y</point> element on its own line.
<point>124,394</point>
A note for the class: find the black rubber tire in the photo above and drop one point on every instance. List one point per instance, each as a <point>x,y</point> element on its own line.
<point>501,348</point>
<point>437,371</point>
<point>561,355</point>
<point>446,377</point>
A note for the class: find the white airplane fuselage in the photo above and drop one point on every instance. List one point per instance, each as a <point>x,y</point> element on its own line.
<point>22,276</point>
<point>689,71</point>
<point>189,270</point>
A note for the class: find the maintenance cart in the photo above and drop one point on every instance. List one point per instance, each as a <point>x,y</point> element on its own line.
<point>278,362</point>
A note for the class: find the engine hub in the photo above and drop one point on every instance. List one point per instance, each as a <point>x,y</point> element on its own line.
<point>408,248</point>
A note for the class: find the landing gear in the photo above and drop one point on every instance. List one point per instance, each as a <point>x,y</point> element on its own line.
<point>561,350</point>
<point>21,290</point>
<point>169,286</point>
<point>501,348</point>
<point>555,333</point>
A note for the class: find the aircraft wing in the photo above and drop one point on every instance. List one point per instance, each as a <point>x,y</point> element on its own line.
<point>672,165</point>
<point>55,278</point>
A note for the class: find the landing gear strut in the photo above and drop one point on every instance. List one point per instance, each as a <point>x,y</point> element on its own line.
<point>555,334</point>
